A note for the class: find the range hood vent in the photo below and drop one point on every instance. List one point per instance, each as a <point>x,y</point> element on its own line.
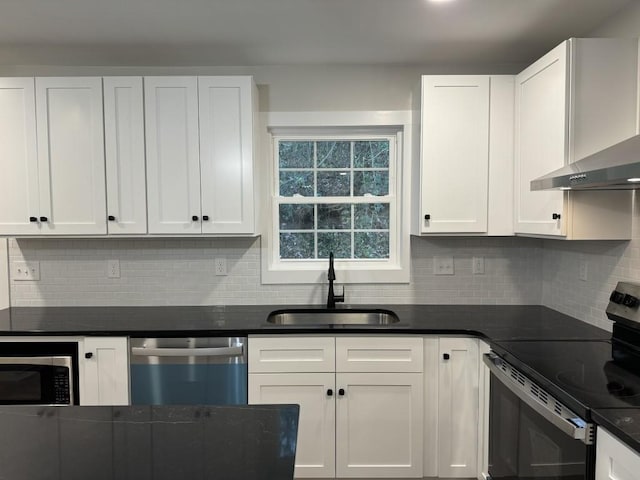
<point>614,168</point>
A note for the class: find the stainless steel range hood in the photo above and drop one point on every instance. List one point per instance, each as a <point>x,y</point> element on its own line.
<point>615,168</point>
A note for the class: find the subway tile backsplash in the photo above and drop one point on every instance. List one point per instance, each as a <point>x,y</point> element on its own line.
<point>181,272</point>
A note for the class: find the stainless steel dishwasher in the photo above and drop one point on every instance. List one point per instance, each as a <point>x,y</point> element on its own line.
<point>189,371</point>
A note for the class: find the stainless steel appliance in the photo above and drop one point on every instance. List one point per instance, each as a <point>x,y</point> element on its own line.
<point>544,393</point>
<point>531,433</point>
<point>38,373</point>
<point>189,371</point>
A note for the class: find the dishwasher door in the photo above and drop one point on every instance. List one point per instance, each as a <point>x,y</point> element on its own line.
<point>189,371</point>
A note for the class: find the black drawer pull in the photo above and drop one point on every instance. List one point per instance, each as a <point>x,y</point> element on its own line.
<point>194,218</point>
<point>446,356</point>
<point>555,216</point>
<point>88,355</point>
<point>205,217</point>
<point>111,218</point>
<point>33,219</point>
<point>44,219</point>
<point>427,217</point>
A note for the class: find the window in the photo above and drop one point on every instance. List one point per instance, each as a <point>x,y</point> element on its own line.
<point>334,196</point>
<point>339,190</point>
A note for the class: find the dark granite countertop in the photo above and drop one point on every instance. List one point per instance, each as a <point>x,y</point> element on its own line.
<point>492,322</point>
<point>249,442</point>
<point>623,423</point>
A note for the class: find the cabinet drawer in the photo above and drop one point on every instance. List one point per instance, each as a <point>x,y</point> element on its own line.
<point>379,354</point>
<point>291,354</point>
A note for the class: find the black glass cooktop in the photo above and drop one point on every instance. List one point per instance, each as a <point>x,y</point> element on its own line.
<point>581,374</point>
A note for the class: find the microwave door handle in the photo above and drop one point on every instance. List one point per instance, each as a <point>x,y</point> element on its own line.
<point>235,351</point>
<point>561,423</point>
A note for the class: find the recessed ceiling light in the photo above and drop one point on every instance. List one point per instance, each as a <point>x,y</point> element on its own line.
<point>565,188</point>
<point>440,1</point>
<point>633,179</point>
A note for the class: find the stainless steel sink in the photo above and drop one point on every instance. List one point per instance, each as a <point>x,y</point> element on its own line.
<point>309,317</point>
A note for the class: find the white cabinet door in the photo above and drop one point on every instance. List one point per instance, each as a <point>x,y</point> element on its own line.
<point>71,156</point>
<point>541,140</point>
<point>379,425</point>
<point>455,153</point>
<point>315,393</point>
<point>227,109</point>
<point>104,371</point>
<point>173,165</point>
<point>614,460</point>
<point>124,150</point>
<point>19,192</point>
<point>458,408</point>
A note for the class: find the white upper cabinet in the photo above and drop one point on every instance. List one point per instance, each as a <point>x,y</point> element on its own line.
<point>173,163</point>
<point>52,151</point>
<point>71,167</point>
<point>226,106</point>
<point>577,99</point>
<point>19,191</point>
<point>466,155</point>
<point>199,134</point>
<point>125,155</point>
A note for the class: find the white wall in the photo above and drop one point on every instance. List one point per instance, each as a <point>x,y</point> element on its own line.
<point>625,24</point>
<point>4,274</point>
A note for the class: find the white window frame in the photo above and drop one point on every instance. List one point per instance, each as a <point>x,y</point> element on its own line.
<point>339,125</point>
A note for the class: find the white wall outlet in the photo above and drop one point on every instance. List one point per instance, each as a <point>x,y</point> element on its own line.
<point>443,265</point>
<point>478,265</point>
<point>583,273</point>
<point>25,271</point>
<point>113,268</point>
<point>220,266</point>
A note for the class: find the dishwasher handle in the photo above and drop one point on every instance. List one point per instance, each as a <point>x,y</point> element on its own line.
<point>567,421</point>
<point>234,351</point>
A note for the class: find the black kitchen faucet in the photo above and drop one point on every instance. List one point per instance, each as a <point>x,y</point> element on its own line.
<point>331,297</point>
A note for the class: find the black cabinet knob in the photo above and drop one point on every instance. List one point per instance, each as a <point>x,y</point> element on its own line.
<point>88,355</point>
<point>44,219</point>
<point>427,217</point>
<point>329,393</point>
<point>194,218</point>
<point>630,301</point>
<point>555,216</point>
<point>446,356</point>
<point>205,217</point>
<point>33,219</point>
<point>111,218</point>
<point>341,392</point>
<point>616,297</point>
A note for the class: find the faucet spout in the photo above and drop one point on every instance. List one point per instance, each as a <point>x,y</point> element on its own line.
<point>332,298</point>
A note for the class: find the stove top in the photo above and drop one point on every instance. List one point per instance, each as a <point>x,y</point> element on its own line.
<point>581,374</point>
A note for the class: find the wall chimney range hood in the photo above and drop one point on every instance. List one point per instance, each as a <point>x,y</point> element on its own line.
<point>614,168</point>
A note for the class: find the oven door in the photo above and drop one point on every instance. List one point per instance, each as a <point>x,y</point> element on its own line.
<point>531,434</point>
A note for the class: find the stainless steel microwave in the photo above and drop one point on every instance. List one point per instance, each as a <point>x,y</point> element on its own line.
<point>36,380</point>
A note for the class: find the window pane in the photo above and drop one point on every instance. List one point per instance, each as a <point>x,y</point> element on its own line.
<point>295,154</point>
<point>334,154</point>
<point>296,217</point>
<point>337,242</point>
<point>294,182</point>
<point>296,245</point>
<point>371,216</point>
<point>371,154</point>
<point>335,216</point>
<point>334,184</point>
<point>374,183</point>
<point>371,245</point>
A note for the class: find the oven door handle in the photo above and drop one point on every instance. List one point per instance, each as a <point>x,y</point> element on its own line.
<point>234,351</point>
<point>576,432</point>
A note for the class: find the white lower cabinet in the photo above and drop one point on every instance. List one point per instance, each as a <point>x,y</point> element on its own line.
<point>452,394</point>
<point>104,371</point>
<point>354,421</point>
<point>614,460</point>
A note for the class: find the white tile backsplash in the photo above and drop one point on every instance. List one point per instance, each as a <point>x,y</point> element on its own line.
<point>181,272</point>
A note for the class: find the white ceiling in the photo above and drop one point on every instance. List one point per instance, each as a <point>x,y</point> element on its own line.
<point>274,32</point>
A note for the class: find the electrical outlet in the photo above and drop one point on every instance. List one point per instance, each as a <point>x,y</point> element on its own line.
<point>583,274</point>
<point>478,265</point>
<point>443,265</point>
<point>113,268</point>
<point>220,266</point>
<point>25,271</point>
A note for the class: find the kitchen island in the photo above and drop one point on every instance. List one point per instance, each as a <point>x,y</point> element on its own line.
<point>256,442</point>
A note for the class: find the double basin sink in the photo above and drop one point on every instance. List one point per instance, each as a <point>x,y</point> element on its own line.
<point>322,317</point>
